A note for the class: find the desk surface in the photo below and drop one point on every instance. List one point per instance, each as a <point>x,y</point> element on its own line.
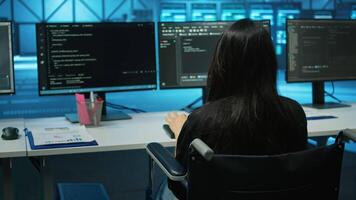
<point>345,118</point>
<point>113,135</point>
<point>13,148</point>
<point>147,127</point>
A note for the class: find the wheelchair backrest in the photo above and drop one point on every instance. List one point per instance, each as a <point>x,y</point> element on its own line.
<point>309,174</point>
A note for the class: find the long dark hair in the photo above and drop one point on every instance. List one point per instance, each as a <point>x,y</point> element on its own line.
<point>244,66</point>
<point>244,63</point>
<point>243,75</point>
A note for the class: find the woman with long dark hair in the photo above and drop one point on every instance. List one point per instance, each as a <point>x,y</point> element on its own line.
<point>244,113</point>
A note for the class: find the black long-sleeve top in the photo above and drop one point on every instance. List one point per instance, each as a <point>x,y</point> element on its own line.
<point>273,132</point>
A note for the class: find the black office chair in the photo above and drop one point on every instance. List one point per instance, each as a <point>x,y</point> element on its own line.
<point>309,174</point>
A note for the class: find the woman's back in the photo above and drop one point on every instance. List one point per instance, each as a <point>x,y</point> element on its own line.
<point>226,131</point>
<point>217,123</point>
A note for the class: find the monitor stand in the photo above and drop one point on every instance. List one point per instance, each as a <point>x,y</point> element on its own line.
<point>118,115</point>
<point>204,94</point>
<point>319,98</point>
<point>189,108</point>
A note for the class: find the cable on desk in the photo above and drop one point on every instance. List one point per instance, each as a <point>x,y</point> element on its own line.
<point>331,94</point>
<point>122,107</point>
<point>190,106</point>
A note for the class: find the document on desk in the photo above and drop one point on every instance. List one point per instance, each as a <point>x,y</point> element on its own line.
<point>313,114</point>
<point>59,135</point>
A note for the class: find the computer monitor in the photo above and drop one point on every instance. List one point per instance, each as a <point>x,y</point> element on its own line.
<point>95,57</point>
<point>318,51</point>
<point>186,49</point>
<point>7,85</point>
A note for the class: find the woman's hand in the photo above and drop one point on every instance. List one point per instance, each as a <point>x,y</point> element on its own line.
<point>175,122</point>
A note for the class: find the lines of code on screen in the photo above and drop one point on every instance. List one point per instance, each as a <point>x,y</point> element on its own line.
<point>95,57</point>
<point>321,50</point>
<point>186,50</point>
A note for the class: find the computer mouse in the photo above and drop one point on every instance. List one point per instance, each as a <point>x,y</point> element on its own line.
<point>10,133</point>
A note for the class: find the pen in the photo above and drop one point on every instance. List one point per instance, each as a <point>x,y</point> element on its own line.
<point>92,98</point>
<point>93,110</point>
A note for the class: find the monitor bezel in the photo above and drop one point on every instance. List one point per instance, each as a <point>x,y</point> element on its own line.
<point>87,90</point>
<point>12,65</point>
<point>183,22</point>
<point>287,52</point>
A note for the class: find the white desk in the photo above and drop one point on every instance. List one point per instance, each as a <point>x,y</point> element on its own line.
<point>13,148</point>
<point>10,149</point>
<point>112,135</point>
<point>147,127</point>
<point>346,118</point>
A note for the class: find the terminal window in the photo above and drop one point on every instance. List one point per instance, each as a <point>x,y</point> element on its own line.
<point>186,49</point>
<point>321,50</point>
<point>95,57</point>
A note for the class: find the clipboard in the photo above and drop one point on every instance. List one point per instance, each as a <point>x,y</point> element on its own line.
<point>51,146</point>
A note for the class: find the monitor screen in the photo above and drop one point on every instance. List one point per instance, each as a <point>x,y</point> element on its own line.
<point>98,57</point>
<point>321,50</point>
<point>186,49</point>
<point>7,85</point>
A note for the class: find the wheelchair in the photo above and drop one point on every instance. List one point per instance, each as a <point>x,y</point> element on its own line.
<point>309,174</point>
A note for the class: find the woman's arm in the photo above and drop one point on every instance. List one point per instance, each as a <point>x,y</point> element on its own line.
<point>176,122</point>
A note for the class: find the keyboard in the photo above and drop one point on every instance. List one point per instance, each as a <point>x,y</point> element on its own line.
<point>320,117</point>
<point>168,131</point>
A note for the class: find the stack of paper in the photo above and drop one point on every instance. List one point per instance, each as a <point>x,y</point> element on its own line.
<point>58,135</point>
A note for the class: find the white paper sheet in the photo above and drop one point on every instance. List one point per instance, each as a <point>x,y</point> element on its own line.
<point>57,133</point>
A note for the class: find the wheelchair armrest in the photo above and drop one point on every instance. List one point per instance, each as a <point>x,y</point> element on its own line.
<point>164,159</point>
<point>203,149</point>
<point>349,134</point>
